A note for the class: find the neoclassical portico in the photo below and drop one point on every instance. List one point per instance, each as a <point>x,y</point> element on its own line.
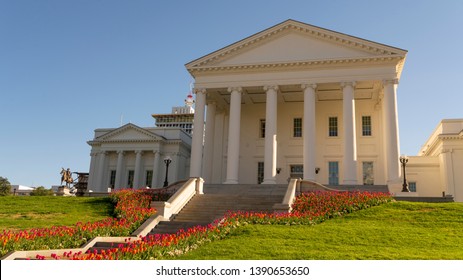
<point>325,109</point>
<point>132,157</point>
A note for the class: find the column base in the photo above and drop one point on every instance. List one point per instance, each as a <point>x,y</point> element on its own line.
<point>231,182</point>
<point>269,182</point>
<point>350,182</point>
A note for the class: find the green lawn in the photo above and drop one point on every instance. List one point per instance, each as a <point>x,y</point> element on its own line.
<point>399,230</point>
<point>24,212</point>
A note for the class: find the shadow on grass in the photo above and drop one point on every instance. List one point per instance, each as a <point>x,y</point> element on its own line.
<point>101,205</point>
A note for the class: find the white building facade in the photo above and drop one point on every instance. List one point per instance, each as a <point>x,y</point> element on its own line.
<point>438,168</point>
<point>297,100</point>
<point>133,157</point>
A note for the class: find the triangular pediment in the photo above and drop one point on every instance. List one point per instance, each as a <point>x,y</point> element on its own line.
<point>129,132</point>
<point>291,42</point>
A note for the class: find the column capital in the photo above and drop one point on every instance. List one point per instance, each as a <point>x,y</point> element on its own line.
<point>390,81</point>
<point>138,152</point>
<point>199,90</point>
<point>92,154</point>
<point>103,152</point>
<point>232,89</point>
<point>308,85</point>
<point>269,87</point>
<point>120,152</point>
<point>345,84</point>
<point>445,151</point>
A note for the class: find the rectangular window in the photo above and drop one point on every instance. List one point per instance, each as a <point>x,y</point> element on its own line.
<point>260,172</point>
<point>412,186</point>
<point>333,173</point>
<point>366,125</point>
<point>112,179</point>
<point>262,128</point>
<point>333,126</point>
<point>149,178</point>
<point>130,177</point>
<point>297,171</point>
<point>368,173</point>
<point>297,127</point>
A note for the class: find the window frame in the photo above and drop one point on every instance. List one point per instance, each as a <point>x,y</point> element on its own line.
<point>367,126</point>
<point>148,178</point>
<point>261,128</point>
<point>260,172</point>
<point>112,178</point>
<point>364,177</point>
<point>333,128</point>
<point>296,173</point>
<point>130,178</point>
<point>297,130</point>
<point>331,165</point>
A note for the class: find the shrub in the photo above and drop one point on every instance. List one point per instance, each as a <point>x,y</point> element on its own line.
<point>5,187</point>
<point>41,191</point>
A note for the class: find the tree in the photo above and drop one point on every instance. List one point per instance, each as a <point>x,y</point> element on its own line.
<point>5,187</point>
<point>41,191</point>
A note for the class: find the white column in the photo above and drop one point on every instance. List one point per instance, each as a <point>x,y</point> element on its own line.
<point>270,155</point>
<point>93,176</point>
<point>198,134</point>
<point>218,160</point>
<point>446,172</point>
<point>309,132</point>
<point>156,162</point>
<point>120,161</point>
<point>392,131</point>
<point>209,141</point>
<point>101,168</point>
<point>350,143</point>
<point>233,151</point>
<point>138,169</point>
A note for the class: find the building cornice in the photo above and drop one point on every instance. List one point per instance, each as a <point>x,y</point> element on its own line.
<point>299,65</point>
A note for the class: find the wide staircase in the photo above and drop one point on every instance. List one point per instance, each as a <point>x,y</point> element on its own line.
<point>206,208</point>
<point>217,200</point>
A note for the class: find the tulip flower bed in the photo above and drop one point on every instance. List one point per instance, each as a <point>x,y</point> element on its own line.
<point>309,208</point>
<point>132,208</point>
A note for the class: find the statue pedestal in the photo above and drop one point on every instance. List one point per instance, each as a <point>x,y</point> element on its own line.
<point>64,191</point>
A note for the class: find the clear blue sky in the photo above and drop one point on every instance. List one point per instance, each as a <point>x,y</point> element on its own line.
<point>69,67</point>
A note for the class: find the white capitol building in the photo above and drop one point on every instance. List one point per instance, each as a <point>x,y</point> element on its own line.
<point>294,100</point>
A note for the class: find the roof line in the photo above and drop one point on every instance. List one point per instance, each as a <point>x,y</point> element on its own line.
<point>282,23</point>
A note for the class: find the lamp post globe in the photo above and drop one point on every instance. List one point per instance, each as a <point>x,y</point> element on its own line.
<point>167,161</point>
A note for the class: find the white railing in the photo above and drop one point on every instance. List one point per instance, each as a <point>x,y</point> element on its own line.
<point>286,205</point>
<point>173,206</point>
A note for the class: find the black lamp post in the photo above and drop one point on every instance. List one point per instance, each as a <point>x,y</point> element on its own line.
<point>167,161</point>
<point>404,160</point>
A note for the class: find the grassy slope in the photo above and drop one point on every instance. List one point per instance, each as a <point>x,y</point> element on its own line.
<point>44,211</point>
<point>399,230</point>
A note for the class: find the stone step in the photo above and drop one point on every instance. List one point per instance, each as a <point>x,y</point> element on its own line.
<point>175,226</point>
<point>217,200</point>
<point>99,246</point>
<point>109,244</point>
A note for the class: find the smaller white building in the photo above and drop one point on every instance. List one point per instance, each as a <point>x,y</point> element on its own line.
<point>21,190</point>
<point>438,168</point>
<point>134,157</point>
